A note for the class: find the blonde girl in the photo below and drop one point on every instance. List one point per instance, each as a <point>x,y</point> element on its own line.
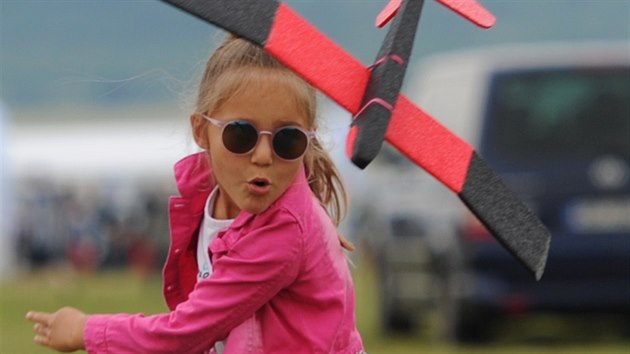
<point>256,264</point>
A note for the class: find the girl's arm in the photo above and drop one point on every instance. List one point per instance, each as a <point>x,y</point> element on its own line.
<point>62,330</point>
<point>246,276</point>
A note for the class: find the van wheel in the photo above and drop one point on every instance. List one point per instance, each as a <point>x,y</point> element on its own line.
<point>394,318</point>
<point>473,325</point>
<point>459,321</point>
<point>394,321</point>
<point>467,324</point>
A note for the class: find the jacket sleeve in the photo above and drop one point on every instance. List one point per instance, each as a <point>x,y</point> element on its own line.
<point>246,275</point>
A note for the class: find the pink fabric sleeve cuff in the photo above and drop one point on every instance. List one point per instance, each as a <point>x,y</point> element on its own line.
<point>94,334</point>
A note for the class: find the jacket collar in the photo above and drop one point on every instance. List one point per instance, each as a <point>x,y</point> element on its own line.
<point>193,175</point>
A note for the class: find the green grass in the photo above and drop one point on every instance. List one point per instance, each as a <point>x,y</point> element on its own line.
<point>48,290</point>
<point>109,292</point>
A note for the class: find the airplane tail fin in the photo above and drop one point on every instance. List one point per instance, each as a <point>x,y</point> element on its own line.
<point>472,11</point>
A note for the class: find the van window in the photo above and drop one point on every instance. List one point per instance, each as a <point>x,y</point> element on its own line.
<point>559,114</point>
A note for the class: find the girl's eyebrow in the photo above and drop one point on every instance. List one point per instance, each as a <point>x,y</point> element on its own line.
<point>277,124</point>
<point>284,122</point>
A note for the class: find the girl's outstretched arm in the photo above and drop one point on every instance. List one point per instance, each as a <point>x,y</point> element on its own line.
<point>62,330</point>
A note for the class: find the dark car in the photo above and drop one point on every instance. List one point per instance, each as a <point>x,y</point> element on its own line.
<point>554,122</point>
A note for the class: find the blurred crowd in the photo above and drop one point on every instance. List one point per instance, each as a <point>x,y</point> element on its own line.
<point>92,225</point>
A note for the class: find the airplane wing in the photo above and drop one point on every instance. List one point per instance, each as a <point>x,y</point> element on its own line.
<point>472,11</point>
<point>469,9</point>
<point>301,47</point>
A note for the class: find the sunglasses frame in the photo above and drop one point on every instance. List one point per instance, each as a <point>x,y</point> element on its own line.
<point>310,134</point>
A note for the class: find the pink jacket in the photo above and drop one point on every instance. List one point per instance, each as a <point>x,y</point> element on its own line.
<point>280,282</point>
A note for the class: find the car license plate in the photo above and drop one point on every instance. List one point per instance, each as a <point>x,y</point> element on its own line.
<point>599,216</point>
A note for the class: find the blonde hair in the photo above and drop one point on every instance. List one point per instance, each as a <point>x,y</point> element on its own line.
<point>247,65</point>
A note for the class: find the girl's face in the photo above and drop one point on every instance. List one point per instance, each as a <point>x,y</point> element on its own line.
<point>252,181</point>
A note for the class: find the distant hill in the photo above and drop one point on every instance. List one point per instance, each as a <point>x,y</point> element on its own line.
<point>141,52</point>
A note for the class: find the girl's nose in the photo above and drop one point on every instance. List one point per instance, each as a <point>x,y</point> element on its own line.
<point>263,152</point>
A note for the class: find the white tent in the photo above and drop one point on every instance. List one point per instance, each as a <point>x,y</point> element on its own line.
<point>94,148</point>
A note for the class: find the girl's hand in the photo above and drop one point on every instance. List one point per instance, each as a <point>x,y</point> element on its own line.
<point>62,330</point>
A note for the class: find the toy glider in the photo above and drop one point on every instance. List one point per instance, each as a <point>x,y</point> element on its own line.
<point>369,125</point>
<point>363,91</point>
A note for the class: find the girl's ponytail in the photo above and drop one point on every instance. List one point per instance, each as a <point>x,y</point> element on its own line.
<point>325,181</point>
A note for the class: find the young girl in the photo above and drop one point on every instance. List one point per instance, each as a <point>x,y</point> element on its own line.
<point>255,264</point>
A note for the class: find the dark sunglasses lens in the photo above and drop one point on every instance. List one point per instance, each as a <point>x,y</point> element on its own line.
<point>240,137</point>
<point>290,143</point>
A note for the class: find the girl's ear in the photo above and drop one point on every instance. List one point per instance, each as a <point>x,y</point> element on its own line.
<point>199,131</point>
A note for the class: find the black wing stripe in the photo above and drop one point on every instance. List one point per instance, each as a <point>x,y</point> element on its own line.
<point>506,216</point>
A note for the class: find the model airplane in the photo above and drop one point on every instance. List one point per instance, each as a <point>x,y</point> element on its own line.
<point>372,95</point>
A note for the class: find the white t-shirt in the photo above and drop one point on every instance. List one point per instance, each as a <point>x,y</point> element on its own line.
<point>210,227</point>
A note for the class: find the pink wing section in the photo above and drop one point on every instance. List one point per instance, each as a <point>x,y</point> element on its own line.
<point>472,11</point>
<point>429,144</point>
<point>327,66</point>
<point>387,13</point>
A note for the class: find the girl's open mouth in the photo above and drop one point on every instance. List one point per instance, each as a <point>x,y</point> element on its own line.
<point>259,186</point>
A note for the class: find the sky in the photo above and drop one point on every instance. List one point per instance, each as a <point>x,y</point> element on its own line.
<point>107,53</point>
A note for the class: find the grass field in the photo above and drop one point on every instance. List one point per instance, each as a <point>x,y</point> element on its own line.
<point>108,292</point>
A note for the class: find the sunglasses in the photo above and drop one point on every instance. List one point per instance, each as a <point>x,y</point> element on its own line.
<point>241,137</point>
